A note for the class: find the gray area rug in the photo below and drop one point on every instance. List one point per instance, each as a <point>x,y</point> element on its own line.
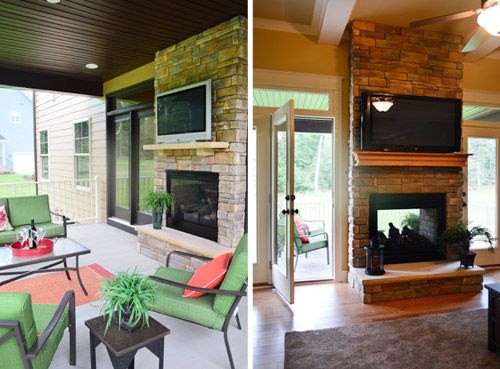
<point>444,341</point>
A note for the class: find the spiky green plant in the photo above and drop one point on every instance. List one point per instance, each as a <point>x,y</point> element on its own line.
<point>158,200</point>
<point>128,290</point>
<point>411,220</point>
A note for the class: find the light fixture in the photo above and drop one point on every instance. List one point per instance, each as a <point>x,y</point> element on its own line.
<point>382,104</point>
<point>489,19</point>
<point>54,1</point>
<point>91,66</point>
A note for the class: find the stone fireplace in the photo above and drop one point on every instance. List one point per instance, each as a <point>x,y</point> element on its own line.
<point>396,60</point>
<point>217,222</point>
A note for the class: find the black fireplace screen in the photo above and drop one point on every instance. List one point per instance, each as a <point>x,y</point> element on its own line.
<point>409,225</point>
<point>196,196</point>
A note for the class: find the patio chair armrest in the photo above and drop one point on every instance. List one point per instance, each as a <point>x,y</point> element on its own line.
<point>183,253</point>
<point>315,221</point>
<point>64,219</point>
<point>213,291</point>
<point>318,234</point>
<point>67,300</point>
<point>15,332</point>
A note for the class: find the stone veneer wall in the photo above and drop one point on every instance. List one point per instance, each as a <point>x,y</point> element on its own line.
<point>397,60</point>
<point>220,54</point>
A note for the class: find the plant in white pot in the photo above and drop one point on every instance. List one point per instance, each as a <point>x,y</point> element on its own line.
<point>460,236</point>
<point>158,202</point>
<point>128,297</point>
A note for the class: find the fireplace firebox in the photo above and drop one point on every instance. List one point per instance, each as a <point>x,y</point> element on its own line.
<point>196,196</point>
<point>408,225</point>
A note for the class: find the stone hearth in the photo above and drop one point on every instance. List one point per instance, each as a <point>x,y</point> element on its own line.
<point>406,281</point>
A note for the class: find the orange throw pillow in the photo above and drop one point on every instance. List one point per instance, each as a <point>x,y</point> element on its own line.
<point>302,229</point>
<point>209,275</point>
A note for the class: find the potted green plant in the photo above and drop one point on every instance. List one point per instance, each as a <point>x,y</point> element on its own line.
<point>128,298</point>
<point>460,236</point>
<point>157,202</point>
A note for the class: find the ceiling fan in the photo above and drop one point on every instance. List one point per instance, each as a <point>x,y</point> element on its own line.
<point>488,18</point>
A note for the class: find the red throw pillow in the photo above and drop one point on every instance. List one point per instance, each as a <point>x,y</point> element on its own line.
<point>302,228</point>
<point>209,275</point>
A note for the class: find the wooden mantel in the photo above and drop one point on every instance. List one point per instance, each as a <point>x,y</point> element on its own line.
<point>188,146</point>
<point>409,159</point>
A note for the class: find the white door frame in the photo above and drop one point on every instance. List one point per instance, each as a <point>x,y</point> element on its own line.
<point>333,86</point>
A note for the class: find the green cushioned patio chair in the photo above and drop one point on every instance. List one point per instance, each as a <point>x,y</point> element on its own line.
<point>20,211</point>
<point>213,310</point>
<point>30,333</point>
<point>311,239</point>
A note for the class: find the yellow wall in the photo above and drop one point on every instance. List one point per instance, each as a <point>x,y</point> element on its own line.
<point>482,75</point>
<point>134,77</point>
<point>298,53</point>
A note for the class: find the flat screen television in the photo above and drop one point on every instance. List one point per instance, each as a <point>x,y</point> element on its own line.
<point>413,123</point>
<point>185,114</point>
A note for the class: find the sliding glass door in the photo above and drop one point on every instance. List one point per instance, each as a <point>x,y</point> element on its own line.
<point>132,168</point>
<point>121,175</point>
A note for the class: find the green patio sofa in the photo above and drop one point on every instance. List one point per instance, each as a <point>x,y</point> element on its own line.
<point>30,333</point>
<point>21,210</point>
<point>213,310</point>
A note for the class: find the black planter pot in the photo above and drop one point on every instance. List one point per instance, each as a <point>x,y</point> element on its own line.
<point>157,218</point>
<point>467,259</point>
<point>124,322</point>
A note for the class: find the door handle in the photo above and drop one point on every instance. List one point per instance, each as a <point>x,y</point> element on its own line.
<point>285,211</point>
<point>295,211</point>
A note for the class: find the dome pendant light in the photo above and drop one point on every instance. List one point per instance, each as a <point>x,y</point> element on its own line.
<point>489,19</point>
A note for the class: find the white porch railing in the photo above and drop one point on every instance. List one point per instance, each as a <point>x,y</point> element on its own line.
<point>78,200</point>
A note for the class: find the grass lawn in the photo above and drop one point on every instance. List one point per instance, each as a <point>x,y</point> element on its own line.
<point>20,190</point>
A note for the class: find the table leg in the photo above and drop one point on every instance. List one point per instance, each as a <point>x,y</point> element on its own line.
<point>161,346</point>
<point>92,351</point>
<point>66,271</point>
<point>80,278</point>
<point>157,348</point>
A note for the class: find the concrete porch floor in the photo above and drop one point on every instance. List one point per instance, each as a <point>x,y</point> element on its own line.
<point>188,345</point>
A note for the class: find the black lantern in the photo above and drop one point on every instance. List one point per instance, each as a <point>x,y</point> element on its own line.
<point>374,258</point>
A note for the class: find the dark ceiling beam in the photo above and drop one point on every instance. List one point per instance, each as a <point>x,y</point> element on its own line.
<point>42,80</point>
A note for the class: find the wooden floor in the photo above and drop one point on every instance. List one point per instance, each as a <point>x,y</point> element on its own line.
<point>328,305</point>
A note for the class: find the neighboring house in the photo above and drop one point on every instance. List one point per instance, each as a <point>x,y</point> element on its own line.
<point>71,152</point>
<point>16,130</point>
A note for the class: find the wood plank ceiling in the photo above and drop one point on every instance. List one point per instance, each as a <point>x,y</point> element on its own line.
<point>46,46</point>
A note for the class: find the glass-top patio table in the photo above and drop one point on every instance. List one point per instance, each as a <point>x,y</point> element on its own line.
<point>64,248</point>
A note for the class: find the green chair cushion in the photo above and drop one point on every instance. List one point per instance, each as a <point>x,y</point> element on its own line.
<point>170,301</point>
<point>315,243</point>
<point>51,229</point>
<point>23,209</point>
<point>43,314</point>
<point>7,237</point>
<point>236,276</point>
<point>16,306</point>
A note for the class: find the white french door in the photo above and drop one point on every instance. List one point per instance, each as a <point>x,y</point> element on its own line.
<point>481,139</point>
<point>282,239</point>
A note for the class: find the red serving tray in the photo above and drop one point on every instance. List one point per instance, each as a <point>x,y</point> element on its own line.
<point>45,246</point>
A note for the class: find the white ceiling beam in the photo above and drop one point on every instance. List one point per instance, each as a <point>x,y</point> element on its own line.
<point>331,18</point>
<point>487,47</point>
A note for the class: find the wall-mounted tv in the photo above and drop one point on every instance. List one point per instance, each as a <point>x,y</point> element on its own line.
<point>185,114</point>
<point>412,123</point>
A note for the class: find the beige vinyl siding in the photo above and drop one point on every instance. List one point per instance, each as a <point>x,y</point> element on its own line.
<point>58,113</point>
